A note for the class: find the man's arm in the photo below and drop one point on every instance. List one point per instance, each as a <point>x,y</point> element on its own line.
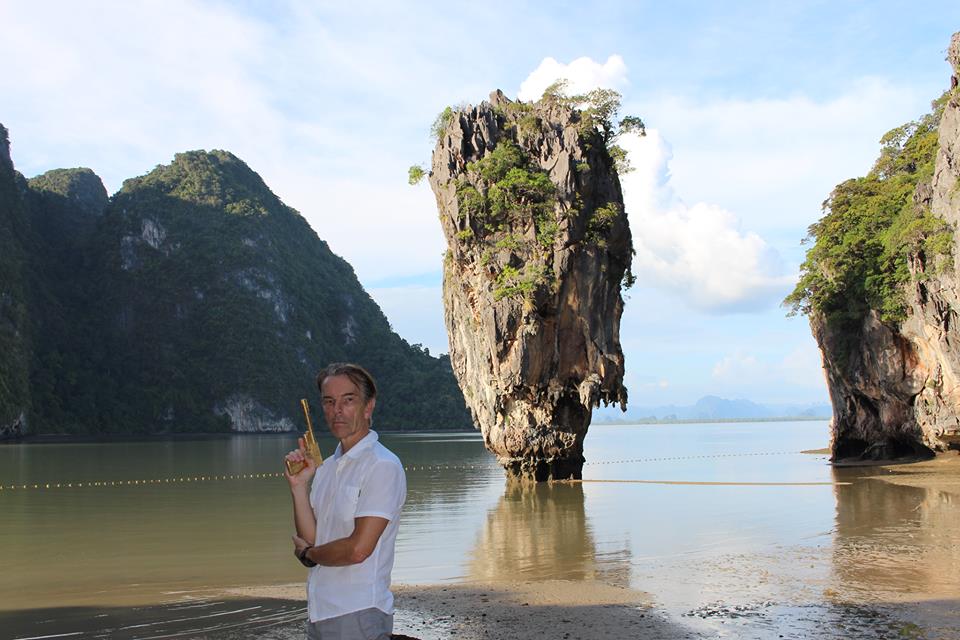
<point>304,519</point>
<point>353,549</point>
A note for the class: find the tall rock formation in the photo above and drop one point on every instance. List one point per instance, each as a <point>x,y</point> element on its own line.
<point>894,378</point>
<point>538,244</point>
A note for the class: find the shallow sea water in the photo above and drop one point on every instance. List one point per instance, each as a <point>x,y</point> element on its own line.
<point>728,528</point>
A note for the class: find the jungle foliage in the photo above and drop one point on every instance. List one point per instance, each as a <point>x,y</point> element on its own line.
<point>15,331</point>
<point>872,228</point>
<point>499,194</point>
<point>598,112</point>
<point>196,285</point>
<point>500,190</point>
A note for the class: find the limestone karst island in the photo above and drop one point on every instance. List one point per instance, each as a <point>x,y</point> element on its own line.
<point>539,244</point>
<point>881,284</point>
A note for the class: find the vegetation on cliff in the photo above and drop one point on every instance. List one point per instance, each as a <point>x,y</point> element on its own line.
<point>194,300</point>
<point>14,322</point>
<point>506,187</point>
<point>872,228</point>
<point>598,112</point>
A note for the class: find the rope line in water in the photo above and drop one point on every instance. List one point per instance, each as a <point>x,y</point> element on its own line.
<point>714,484</point>
<point>257,476</point>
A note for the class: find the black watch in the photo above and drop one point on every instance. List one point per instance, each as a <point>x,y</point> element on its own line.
<point>304,560</point>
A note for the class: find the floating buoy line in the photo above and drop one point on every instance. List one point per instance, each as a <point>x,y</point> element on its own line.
<point>260,476</point>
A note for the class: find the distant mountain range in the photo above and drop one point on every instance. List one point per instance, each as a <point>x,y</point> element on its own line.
<point>712,408</point>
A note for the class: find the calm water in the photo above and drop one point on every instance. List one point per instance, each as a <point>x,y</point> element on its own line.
<point>691,514</point>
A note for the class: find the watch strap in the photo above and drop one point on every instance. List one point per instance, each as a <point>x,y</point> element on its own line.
<point>304,560</point>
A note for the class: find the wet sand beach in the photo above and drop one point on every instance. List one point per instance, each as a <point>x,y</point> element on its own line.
<point>563,610</point>
<point>550,610</point>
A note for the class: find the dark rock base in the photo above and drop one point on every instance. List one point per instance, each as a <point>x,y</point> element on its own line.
<point>545,470</point>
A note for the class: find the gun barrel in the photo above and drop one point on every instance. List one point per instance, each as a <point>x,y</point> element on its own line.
<point>306,414</point>
<point>313,449</point>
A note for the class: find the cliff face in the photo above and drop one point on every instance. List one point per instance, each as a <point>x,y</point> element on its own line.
<point>15,344</point>
<point>65,207</point>
<point>895,386</point>
<point>532,211</point>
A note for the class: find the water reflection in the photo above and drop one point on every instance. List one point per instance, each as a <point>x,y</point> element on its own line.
<point>895,537</point>
<point>541,532</point>
<point>187,535</point>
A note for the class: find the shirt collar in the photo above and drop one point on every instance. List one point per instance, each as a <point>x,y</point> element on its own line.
<point>365,443</point>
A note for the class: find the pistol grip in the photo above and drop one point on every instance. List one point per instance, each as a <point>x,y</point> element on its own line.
<point>294,467</point>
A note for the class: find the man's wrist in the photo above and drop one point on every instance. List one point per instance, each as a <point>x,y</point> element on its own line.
<point>304,557</point>
<point>300,491</point>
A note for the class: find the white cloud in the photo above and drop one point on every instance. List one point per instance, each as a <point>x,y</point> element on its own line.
<point>655,384</point>
<point>122,91</point>
<point>800,367</point>
<point>697,251</point>
<point>775,160</point>
<point>583,74</point>
<point>803,366</point>
<point>740,367</point>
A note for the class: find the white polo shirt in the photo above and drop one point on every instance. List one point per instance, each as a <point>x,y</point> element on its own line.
<point>367,480</point>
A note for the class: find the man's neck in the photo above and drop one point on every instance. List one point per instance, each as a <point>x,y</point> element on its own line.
<point>348,443</point>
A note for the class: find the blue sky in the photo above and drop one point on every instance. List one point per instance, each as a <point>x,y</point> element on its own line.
<point>755,111</point>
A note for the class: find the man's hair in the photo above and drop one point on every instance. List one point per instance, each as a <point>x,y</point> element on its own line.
<point>357,374</point>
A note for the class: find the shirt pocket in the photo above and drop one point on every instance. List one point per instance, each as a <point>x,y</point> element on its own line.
<point>346,503</point>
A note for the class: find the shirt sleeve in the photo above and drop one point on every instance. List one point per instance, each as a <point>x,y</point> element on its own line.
<point>383,492</point>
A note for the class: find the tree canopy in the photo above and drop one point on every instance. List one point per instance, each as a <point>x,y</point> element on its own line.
<point>872,226</point>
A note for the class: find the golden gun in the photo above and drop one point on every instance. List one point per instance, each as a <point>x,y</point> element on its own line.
<point>309,442</point>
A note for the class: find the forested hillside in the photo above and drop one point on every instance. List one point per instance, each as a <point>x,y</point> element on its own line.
<point>193,300</point>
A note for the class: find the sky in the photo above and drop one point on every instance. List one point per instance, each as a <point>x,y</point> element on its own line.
<point>754,111</point>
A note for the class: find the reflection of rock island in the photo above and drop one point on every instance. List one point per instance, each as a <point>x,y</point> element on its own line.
<point>896,534</point>
<point>541,532</point>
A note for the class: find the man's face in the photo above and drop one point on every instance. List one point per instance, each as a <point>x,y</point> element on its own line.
<point>347,416</point>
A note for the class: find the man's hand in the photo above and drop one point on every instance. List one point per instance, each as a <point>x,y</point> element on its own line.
<point>302,478</point>
<point>299,545</point>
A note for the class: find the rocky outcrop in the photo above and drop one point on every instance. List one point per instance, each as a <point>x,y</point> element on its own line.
<point>249,416</point>
<point>895,387</point>
<point>538,244</point>
<point>81,188</point>
<point>15,329</point>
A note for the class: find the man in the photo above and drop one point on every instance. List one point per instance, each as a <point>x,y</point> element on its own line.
<point>347,523</point>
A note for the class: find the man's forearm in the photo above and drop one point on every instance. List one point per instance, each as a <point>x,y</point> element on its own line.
<point>303,517</point>
<point>337,553</point>
<point>353,549</point>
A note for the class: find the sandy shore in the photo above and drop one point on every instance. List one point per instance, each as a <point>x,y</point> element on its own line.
<point>553,609</point>
<point>563,610</point>
<point>548,610</point>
